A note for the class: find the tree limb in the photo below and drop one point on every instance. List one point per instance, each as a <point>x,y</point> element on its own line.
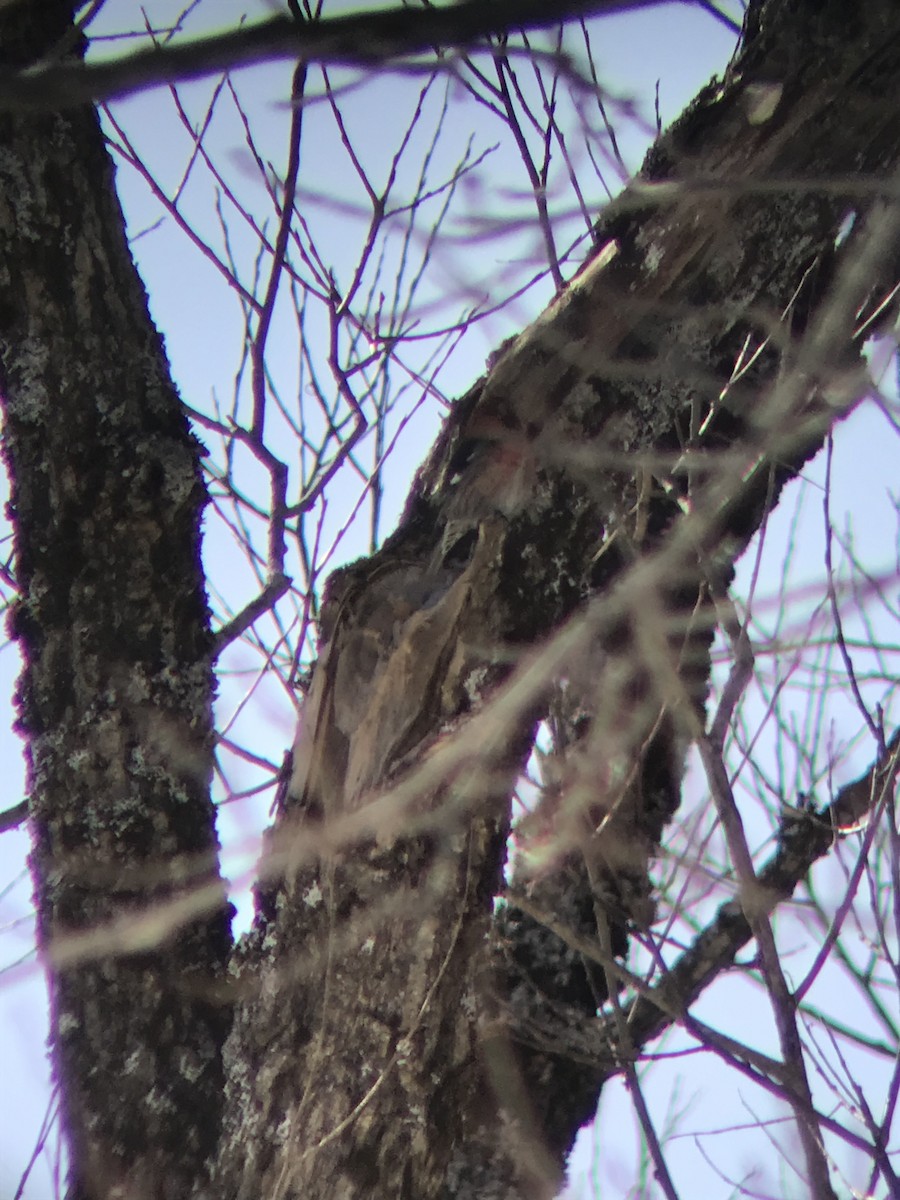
<point>359,39</point>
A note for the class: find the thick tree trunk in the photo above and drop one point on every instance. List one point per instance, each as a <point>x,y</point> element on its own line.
<point>405,1039</point>
<point>396,1035</point>
<point>115,696</point>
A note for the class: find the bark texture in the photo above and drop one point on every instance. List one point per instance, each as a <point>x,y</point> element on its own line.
<point>115,695</point>
<point>396,1033</point>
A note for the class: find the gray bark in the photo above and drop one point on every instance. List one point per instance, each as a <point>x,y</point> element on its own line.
<point>115,697</point>
<point>394,1035</point>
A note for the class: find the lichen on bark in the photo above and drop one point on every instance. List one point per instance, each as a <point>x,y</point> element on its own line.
<point>116,688</point>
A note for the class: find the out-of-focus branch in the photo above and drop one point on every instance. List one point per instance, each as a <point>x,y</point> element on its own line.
<point>363,38</point>
<point>799,1094</point>
<point>11,818</point>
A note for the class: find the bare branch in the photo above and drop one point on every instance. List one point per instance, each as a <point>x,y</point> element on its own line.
<point>380,37</point>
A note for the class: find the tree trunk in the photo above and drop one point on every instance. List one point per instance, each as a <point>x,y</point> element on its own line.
<point>396,1032</point>
<point>115,697</point>
<point>419,1044</point>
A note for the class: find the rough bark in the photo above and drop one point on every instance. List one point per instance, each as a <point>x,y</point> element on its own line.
<point>394,1034</point>
<point>115,695</point>
<point>397,1036</point>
